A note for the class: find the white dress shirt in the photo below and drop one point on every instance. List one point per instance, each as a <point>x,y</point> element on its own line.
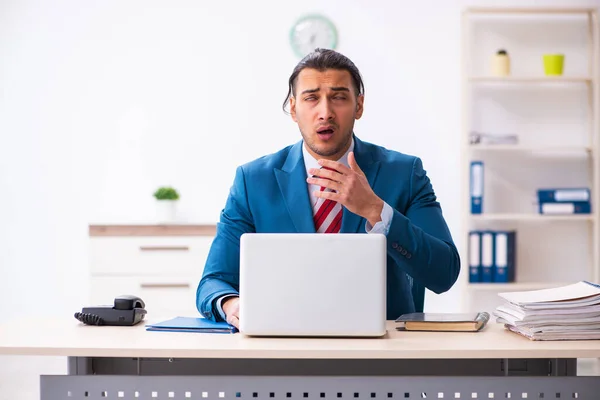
<point>387,212</point>
<point>382,226</point>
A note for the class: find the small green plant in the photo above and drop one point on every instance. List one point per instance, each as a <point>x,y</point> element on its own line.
<point>166,193</point>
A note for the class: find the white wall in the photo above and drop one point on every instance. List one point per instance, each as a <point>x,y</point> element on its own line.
<point>101,102</point>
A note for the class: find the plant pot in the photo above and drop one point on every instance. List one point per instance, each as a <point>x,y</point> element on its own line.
<point>166,211</point>
<point>553,64</point>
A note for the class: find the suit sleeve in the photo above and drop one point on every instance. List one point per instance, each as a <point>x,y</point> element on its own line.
<point>221,274</point>
<point>420,241</point>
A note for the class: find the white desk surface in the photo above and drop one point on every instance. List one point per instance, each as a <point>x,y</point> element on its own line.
<point>67,337</point>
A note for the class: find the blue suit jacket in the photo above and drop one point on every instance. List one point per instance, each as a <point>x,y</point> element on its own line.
<point>269,195</point>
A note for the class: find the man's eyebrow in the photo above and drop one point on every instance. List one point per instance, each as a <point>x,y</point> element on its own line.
<point>310,91</point>
<point>335,89</point>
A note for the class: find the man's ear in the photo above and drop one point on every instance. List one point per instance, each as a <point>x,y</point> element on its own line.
<point>293,108</point>
<point>360,101</point>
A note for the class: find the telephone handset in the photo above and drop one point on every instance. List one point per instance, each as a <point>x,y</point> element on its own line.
<point>126,311</point>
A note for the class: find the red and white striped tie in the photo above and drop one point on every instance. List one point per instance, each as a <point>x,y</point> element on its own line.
<point>327,214</point>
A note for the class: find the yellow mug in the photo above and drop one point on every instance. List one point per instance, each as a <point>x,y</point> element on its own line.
<point>553,64</point>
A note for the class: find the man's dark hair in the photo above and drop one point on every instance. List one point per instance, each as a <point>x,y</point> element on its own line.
<point>321,60</point>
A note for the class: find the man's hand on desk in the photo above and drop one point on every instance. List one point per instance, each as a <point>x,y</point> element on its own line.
<point>231,307</point>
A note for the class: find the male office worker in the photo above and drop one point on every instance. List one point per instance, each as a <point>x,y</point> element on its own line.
<point>332,182</point>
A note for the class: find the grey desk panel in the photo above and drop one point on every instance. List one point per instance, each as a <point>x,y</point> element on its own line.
<point>318,388</point>
<point>307,367</point>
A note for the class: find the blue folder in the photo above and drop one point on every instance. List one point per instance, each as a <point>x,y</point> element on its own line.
<point>505,256</point>
<point>486,272</point>
<point>474,256</point>
<point>189,324</point>
<point>561,195</point>
<point>476,189</point>
<point>565,208</point>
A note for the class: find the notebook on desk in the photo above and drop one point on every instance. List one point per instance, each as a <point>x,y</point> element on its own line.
<point>190,324</point>
<point>440,322</point>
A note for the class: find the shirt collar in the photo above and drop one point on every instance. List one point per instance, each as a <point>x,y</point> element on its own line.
<point>311,162</point>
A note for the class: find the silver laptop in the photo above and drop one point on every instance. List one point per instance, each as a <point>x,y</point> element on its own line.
<point>313,284</point>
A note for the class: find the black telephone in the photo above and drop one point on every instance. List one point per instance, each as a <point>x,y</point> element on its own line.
<point>127,311</point>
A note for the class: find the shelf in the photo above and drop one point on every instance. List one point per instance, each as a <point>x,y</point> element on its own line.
<point>515,286</point>
<point>518,10</point>
<point>531,217</point>
<point>533,79</point>
<point>530,149</point>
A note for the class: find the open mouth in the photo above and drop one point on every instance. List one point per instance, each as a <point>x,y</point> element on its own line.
<point>325,132</point>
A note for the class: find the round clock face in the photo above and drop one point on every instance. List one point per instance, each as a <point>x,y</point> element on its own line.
<point>311,32</point>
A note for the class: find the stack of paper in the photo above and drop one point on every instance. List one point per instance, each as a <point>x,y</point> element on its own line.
<point>569,312</point>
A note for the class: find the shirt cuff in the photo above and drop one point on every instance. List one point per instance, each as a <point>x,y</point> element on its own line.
<point>220,306</point>
<point>383,226</point>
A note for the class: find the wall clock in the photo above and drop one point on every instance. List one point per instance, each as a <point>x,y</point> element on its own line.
<point>312,31</point>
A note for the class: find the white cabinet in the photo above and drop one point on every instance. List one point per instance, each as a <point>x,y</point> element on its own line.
<point>160,265</point>
<point>148,256</point>
<point>164,296</point>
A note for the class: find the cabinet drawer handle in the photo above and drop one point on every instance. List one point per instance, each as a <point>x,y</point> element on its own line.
<point>164,248</point>
<point>164,285</point>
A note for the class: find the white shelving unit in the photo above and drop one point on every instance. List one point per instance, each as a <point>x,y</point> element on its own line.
<point>556,119</point>
<point>531,79</point>
<point>532,217</point>
<point>541,150</point>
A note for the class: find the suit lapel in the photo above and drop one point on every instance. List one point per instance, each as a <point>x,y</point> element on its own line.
<point>352,223</point>
<point>291,179</point>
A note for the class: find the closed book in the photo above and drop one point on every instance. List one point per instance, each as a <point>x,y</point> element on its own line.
<point>451,322</point>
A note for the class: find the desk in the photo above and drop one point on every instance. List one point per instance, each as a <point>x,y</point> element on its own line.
<point>131,363</point>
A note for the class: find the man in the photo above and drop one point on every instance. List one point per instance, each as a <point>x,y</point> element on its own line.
<point>332,182</point>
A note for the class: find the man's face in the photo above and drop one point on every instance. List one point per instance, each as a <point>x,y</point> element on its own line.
<point>325,106</point>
